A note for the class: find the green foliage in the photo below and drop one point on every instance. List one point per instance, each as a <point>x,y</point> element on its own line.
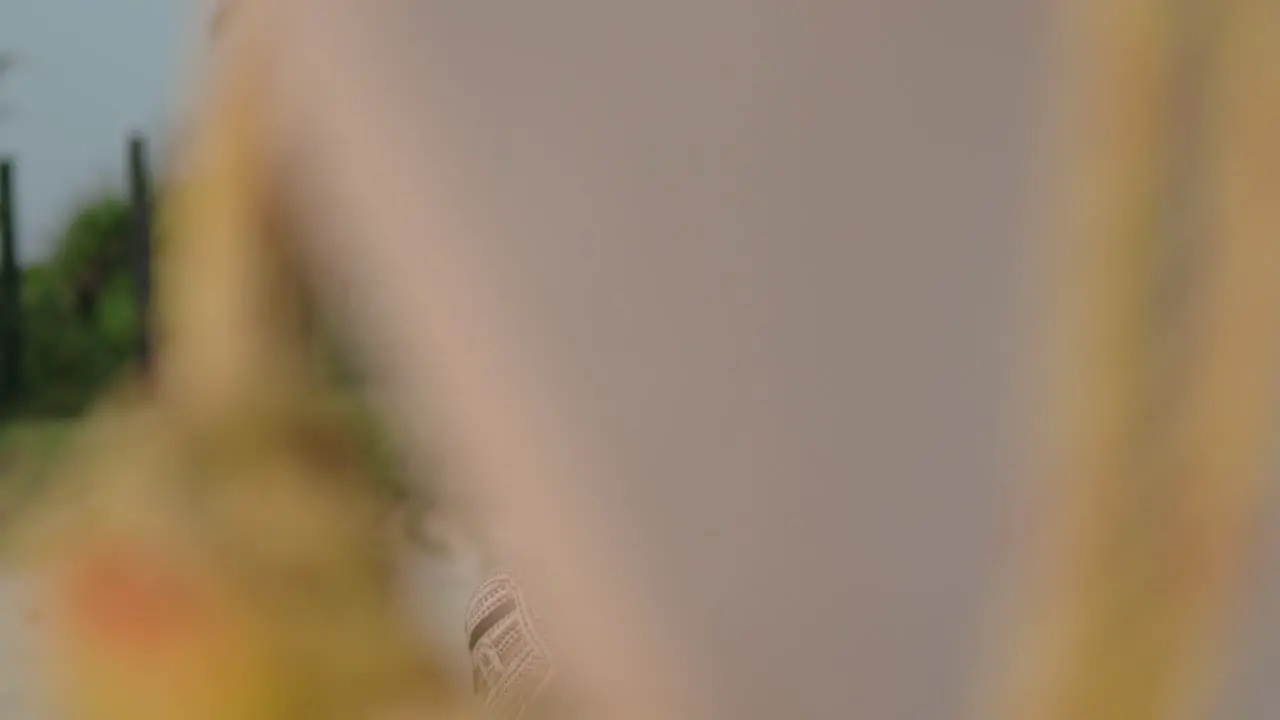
<point>94,240</point>
<point>80,314</point>
<point>28,451</point>
<point>118,318</point>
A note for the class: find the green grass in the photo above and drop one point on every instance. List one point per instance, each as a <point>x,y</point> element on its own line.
<point>27,451</point>
<point>31,441</point>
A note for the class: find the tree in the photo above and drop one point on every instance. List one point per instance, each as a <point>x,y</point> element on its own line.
<point>138,249</point>
<point>11,323</point>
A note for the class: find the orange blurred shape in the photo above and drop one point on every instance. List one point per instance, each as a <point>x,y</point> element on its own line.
<point>149,635</point>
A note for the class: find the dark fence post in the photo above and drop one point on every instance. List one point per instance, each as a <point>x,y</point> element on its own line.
<point>140,247</point>
<point>10,292</point>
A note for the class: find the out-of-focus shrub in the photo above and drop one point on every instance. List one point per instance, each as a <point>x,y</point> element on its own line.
<point>80,313</point>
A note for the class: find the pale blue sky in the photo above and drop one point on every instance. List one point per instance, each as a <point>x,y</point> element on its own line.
<point>89,72</point>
